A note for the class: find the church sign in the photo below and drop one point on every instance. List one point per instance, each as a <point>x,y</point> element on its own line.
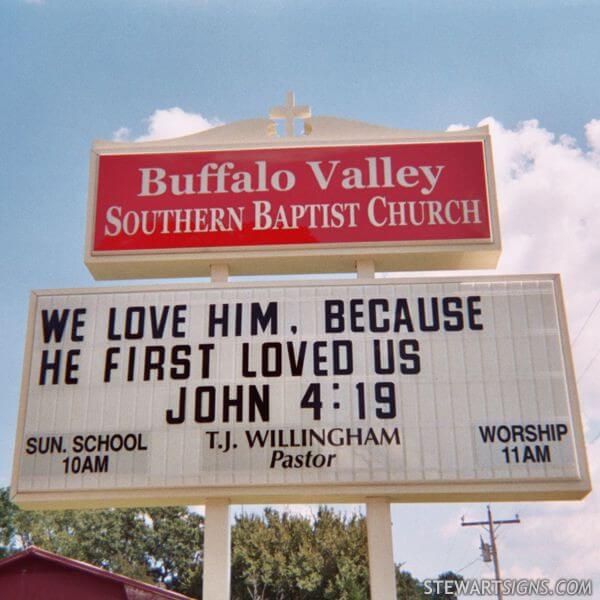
<point>303,205</point>
<point>424,389</point>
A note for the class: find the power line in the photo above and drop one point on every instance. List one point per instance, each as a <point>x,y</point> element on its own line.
<point>502,534</point>
<point>574,341</point>
<point>468,565</point>
<point>586,322</point>
<point>595,439</point>
<point>449,551</point>
<point>589,365</point>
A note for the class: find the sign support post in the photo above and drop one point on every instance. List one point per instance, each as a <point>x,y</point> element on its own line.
<point>382,575</point>
<point>365,269</point>
<point>216,581</point>
<point>382,571</point>
<point>217,550</point>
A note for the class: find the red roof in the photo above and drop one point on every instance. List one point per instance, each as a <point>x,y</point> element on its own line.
<point>37,574</point>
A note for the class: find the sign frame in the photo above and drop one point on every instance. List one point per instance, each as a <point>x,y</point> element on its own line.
<point>253,134</point>
<point>434,491</point>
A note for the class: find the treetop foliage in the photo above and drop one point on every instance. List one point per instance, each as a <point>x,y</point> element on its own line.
<point>275,555</point>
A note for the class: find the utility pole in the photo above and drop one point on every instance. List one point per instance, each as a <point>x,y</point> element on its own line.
<point>492,548</point>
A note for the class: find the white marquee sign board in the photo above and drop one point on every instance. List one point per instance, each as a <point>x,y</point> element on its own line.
<point>422,389</point>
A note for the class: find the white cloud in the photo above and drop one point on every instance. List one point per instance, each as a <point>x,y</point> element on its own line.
<point>308,511</point>
<point>548,189</point>
<point>553,540</point>
<point>169,123</point>
<point>457,127</point>
<point>448,529</point>
<point>198,509</point>
<point>592,133</point>
<point>122,134</point>
<point>549,203</point>
<point>559,538</point>
<point>175,122</point>
<point>548,192</point>
<point>531,572</point>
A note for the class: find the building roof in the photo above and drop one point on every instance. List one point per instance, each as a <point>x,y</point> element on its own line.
<point>130,589</point>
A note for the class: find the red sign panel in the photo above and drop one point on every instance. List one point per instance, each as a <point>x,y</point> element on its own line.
<point>428,192</point>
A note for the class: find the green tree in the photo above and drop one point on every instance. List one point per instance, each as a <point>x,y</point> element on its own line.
<point>157,545</point>
<point>342,543</point>
<point>275,556</point>
<point>7,514</point>
<point>282,556</point>
<point>407,587</point>
<point>173,544</point>
<point>447,576</point>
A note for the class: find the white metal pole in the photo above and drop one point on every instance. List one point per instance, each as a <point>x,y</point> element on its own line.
<point>382,572</point>
<point>217,551</point>
<point>365,269</point>
<point>219,273</point>
<point>216,580</point>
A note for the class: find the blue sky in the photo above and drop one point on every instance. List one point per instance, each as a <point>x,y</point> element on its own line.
<point>76,71</point>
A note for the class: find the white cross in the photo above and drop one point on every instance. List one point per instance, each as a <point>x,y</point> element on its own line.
<point>289,112</point>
